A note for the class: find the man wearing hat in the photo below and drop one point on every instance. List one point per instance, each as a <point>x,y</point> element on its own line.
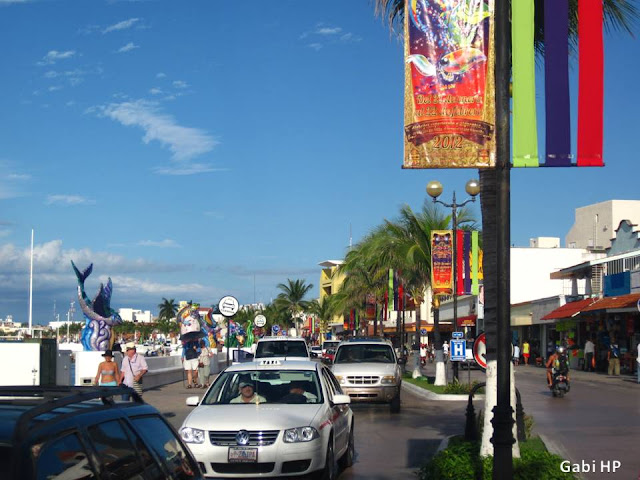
<point>108,374</point>
<point>248,393</point>
<point>133,368</point>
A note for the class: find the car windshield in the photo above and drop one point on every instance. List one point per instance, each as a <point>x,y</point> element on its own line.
<point>281,348</point>
<point>265,386</point>
<point>364,353</point>
<point>331,344</point>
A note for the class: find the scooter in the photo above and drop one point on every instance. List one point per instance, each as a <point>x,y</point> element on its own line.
<point>560,384</point>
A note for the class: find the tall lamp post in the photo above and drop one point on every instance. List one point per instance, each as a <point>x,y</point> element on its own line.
<point>434,189</point>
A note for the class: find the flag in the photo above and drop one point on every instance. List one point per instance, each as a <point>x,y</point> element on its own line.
<point>525,138</point>
<point>390,293</point>
<point>590,83</point>
<point>475,263</point>
<point>441,262</point>
<point>556,81</point>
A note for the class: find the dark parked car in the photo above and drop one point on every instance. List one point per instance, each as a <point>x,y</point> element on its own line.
<point>87,432</point>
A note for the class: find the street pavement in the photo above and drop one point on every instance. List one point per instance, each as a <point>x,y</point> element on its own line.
<point>597,421</point>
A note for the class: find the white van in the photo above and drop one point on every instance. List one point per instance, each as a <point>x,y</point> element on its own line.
<point>290,348</point>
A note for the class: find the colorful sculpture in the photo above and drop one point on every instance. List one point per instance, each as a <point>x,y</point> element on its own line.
<point>99,317</point>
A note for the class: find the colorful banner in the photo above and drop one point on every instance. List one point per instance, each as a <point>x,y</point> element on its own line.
<point>556,81</point>
<point>449,84</point>
<point>391,305</point>
<point>441,262</point>
<point>525,131</point>
<point>590,83</point>
<point>475,263</point>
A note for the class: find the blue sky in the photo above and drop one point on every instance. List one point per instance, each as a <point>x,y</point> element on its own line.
<point>192,150</point>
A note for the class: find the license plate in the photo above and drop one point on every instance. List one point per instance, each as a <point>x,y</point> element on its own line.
<point>243,455</point>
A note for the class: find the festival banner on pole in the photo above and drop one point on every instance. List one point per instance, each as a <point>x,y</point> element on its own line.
<point>449,84</point>
<point>441,262</point>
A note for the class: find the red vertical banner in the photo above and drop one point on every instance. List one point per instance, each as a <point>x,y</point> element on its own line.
<point>449,94</point>
<point>400,297</point>
<point>459,262</point>
<point>590,83</point>
<point>441,262</point>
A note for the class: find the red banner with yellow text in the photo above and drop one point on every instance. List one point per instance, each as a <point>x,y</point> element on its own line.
<point>449,84</point>
<point>442,262</point>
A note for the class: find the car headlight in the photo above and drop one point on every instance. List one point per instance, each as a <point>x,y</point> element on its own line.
<point>300,434</point>
<point>341,379</point>
<point>388,380</point>
<point>192,435</point>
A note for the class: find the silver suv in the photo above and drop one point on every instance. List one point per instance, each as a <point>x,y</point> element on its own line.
<point>369,371</point>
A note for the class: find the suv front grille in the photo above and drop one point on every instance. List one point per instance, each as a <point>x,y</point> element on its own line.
<point>363,379</point>
<point>256,437</point>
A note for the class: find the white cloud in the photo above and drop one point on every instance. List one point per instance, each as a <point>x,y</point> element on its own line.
<point>328,30</point>
<point>166,243</point>
<point>53,56</point>
<point>19,176</point>
<point>54,88</point>
<point>11,182</point>
<point>4,232</point>
<point>161,75</point>
<point>128,47</point>
<point>155,91</point>
<point>184,142</point>
<point>124,25</point>
<point>190,169</point>
<point>158,289</point>
<point>315,46</point>
<point>8,2</point>
<point>180,84</point>
<point>68,200</point>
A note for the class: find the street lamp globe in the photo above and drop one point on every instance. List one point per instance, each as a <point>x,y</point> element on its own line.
<point>472,187</point>
<point>434,189</point>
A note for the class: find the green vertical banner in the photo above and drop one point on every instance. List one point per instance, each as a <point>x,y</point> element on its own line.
<point>390,303</point>
<point>525,138</point>
<point>474,263</point>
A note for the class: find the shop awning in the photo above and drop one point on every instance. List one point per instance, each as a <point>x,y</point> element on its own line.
<point>619,303</point>
<point>569,310</point>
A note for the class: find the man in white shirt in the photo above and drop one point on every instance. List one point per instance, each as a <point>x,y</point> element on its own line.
<point>589,349</point>
<point>133,368</point>
<point>445,347</point>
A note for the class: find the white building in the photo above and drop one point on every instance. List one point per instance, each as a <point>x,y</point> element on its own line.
<point>595,225</point>
<point>136,316</point>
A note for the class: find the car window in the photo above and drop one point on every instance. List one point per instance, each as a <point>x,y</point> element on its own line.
<point>117,455</point>
<point>159,436</point>
<point>281,348</point>
<point>364,353</point>
<point>331,390</point>
<point>334,381</point>
<point>268,386</point>
<point>64,458</point>
<point>331,344</point>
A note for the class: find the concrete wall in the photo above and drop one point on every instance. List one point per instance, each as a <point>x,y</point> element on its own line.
<point>595,224</point>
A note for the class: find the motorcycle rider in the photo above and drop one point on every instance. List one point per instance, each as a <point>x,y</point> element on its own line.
<point>553,364</point>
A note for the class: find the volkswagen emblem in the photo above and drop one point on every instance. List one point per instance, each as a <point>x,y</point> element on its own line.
<point>242,437</point>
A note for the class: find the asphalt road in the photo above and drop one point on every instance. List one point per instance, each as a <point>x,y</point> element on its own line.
<point>388,447</point>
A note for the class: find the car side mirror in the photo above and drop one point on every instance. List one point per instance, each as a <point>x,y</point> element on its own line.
<point>314,355</point>
<point>326,360</point>
<point>193,401</point>
<point>402,361</point>
<point>341,400</point>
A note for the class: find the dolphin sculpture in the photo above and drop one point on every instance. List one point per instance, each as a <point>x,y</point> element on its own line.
<point>99,317</point>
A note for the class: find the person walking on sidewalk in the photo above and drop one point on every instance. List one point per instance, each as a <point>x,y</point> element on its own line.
<point>589,349</point>
<point>613,356</point>
<point>516,354</point>
<point>525,352</point>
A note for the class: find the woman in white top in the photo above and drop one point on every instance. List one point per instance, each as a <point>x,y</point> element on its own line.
<point>204,362</point>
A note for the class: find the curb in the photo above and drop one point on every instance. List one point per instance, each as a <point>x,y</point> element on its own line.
<point>428,395</point>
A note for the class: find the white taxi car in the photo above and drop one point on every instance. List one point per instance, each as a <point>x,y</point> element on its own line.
<point>272,418</point>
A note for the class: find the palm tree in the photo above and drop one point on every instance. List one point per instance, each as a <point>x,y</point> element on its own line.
<point>618,15</point>
<point>292,299</point>
<point>323,311</point>
<point>168,309</point>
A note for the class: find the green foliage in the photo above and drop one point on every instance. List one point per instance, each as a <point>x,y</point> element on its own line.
<point>528,426</point>
<point>456,387</point>
<point>461,461</point>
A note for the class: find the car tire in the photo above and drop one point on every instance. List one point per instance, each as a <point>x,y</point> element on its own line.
<point>347,459</point>
<point>394,405</point>
<point>330,470</point>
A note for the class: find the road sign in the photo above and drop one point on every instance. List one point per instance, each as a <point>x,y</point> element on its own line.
<point>260,321</point>
<point>480,350</point>
<point>457,334</point>
<point>275,329</point>
<point>458,350</point>
<point>228,306</point>
<point>423,331</point>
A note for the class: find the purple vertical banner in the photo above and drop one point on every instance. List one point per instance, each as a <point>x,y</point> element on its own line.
<point>556,81</point>
<point>466,255</point>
